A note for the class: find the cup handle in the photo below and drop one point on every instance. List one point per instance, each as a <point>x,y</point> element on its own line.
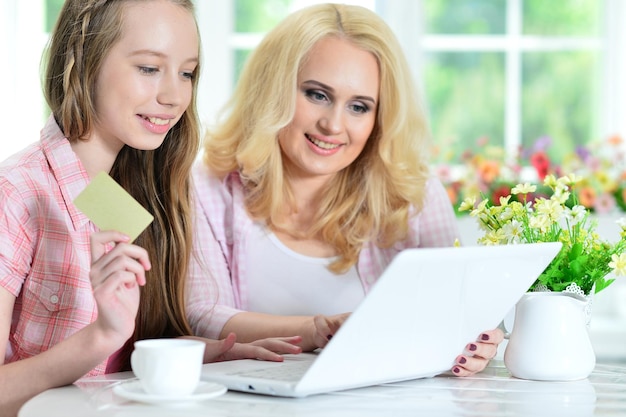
<point>502,327</point>
<point>507,321</point>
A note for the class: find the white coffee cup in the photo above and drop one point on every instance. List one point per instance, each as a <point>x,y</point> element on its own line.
<point>168,367</point>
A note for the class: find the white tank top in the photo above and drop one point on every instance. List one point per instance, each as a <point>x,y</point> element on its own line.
<point>282,281</point>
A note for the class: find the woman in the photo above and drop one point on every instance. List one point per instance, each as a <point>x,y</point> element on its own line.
<point>121,84</point>
<point>317,176</point>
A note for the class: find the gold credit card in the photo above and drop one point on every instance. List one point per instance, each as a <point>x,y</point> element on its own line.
<point>110,207</point>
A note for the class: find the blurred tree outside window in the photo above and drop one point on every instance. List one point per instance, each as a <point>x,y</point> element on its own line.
<point>508,72</point>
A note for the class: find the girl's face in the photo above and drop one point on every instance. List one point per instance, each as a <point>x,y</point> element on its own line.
<point>145,83</point>
<point>336,108</point>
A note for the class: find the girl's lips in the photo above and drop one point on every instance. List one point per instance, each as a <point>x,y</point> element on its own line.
<point>154,124</point>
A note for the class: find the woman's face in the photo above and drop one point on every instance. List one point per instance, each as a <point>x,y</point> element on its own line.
<point>336,108</point>
<point>145,83</point>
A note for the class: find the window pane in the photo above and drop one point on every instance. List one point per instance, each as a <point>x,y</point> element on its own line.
<point>259,15</point>
<point>241,55</point>
<point>465,16</point>
<point>559,98</point>
<point>465,94</point>
<point>53,7</point>
<point>562,18</point>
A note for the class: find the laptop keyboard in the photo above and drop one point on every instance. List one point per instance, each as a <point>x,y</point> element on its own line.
<point>287,371</point>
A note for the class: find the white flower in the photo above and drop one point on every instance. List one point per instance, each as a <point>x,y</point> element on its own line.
<point>576,214</point>
<point>618,263</point>
<point>513,231</point>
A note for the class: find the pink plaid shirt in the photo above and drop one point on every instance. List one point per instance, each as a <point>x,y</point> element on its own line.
<point>44,246</point>
<point>222,229</point>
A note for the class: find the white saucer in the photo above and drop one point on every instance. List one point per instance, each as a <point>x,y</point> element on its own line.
<point>133,390</point>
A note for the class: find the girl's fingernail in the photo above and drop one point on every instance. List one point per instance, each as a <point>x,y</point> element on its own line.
<point>462,360</point>
<point>472,347</point>
<point>456,370</point>
<point>330,336</point>
<point>484,336</point>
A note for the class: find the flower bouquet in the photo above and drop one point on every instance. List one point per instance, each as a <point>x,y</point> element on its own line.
<point>585,261</point>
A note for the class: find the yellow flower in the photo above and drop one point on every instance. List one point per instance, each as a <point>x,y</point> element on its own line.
<point>467,204</point>
<point>480,209</point>
<point>618,263</point>
<point>550,181</point>
<point>540,222</point>
<point>523,188</point>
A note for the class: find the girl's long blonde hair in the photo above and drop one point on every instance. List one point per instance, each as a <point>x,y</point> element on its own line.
<point>371,199</point>
<point>158,179</point>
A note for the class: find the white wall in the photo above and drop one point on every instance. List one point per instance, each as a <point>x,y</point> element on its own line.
<point>21,46</point>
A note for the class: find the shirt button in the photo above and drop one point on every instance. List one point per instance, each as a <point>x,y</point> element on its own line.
<point>54,299</point>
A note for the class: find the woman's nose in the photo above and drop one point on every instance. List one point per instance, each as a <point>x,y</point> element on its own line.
<point>332,120</point>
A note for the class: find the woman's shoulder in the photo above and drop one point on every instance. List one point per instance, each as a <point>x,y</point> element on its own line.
<point>206,181</point>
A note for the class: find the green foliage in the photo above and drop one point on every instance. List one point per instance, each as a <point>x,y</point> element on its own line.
<point>259,16</point>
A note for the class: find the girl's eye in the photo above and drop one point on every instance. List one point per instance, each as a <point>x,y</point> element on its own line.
<point>316,95</point>
<point>148,70</point>
<point>188,75</point>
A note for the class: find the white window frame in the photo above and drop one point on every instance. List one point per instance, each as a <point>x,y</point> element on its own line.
<point>22,41</point>
<point>406,19</point>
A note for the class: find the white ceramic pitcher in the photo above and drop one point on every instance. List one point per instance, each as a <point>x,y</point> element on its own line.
<point>550,340</point>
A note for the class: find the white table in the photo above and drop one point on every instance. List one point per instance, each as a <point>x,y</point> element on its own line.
<point>491,393</point>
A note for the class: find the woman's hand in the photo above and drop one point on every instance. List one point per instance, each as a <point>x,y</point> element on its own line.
<point>325,327</point>
<point>478,354</point>
<point>270,349</point>
<point>115,278</point>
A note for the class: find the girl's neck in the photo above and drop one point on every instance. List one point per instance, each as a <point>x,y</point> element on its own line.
<point>94,155</point>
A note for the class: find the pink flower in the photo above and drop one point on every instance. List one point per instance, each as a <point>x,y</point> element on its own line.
<point>605,203</point>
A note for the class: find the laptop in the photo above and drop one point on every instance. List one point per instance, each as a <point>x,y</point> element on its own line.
<point>425,308</point>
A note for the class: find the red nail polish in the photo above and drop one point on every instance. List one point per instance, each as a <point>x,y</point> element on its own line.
<point>456,370</point>
<point>484,336</point>
<point>472,347</point>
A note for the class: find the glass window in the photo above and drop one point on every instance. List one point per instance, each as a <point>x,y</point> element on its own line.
<point>465,16</point>
<point>465,92</point>
<point>567,18</point>
<point>560,100</point>
<point>52,9</point>
<point>509,72</point>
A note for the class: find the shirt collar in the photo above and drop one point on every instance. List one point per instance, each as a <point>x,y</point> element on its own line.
<point>66,168</point>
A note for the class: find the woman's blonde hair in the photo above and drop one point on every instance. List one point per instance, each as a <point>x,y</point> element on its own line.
<point>159,179</point>
<point>371,199</point>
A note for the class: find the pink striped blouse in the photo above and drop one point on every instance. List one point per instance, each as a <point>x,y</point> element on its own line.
<point>44,246</point>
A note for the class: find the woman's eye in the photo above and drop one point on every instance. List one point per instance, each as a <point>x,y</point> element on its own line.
<point>147,70</point>
<point>188,75</point>
<point>359,108</point>
<point>316,95</point>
